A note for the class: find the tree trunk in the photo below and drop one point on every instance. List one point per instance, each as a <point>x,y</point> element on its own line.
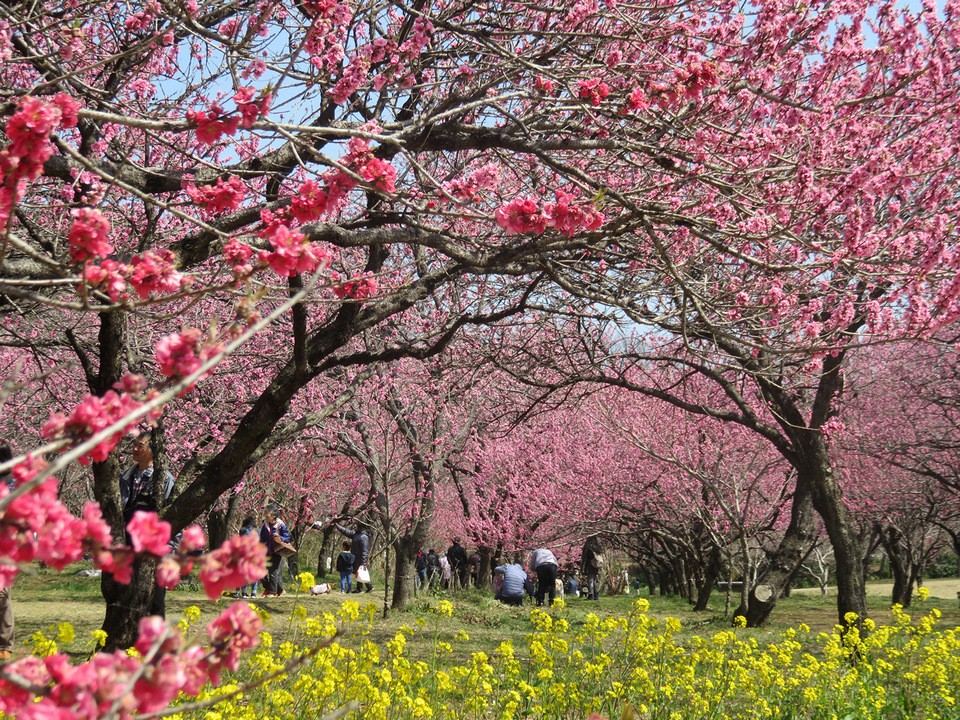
<point>127,604</point>
<point>405,559</point>
<point>485,572</point>
<point>901,563</point>
<point>814,465</point>
<point>710,576</point>
<point>797,541</point>
<point>221,524</point>
<point>328,548</point>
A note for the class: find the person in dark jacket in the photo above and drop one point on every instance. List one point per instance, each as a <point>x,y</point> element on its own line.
<point>459,564</point>
<point>345,564</point>
<point>591,565</point>
<point>272,530</point>
<point>360,547</point>
<point>433,568</point>
<point>421,567</point>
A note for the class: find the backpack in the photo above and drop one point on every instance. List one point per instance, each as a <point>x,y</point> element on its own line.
<point>597,561</point>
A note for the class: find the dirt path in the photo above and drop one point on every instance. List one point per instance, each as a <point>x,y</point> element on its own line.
<point>945,588</point>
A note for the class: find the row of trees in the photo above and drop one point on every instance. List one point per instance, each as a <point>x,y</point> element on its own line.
<point>248,222</point>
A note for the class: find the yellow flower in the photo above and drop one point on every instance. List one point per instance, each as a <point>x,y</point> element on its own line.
<point>99,637</point>
<point>923,593</point>
<point>65,632</point>
<point>740,621</point>
<point>306,581</point>
<point>444,608</point>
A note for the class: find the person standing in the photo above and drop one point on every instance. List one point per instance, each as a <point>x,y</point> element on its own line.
<point>137,494</point>
<point>6,604</point>
<point>249,527</point>
<point>433,568</point>
<point>360,547</point>
<point>421,567</point>
<point>273,532</point>
<point>591,564</point>
<point>345,563</point>
<point>446,572</point>
<point>459,565</point>
<point>544,564</point>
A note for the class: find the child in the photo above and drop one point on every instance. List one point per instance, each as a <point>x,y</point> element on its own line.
<point>345,562</point>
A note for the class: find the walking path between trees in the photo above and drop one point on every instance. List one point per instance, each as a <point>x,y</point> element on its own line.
<point>946,588</point>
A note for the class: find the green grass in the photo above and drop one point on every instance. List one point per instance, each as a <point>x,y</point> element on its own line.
<point>42,598</point>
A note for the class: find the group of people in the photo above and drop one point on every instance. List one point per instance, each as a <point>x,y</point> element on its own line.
<point>513,582</point>
<point>454,568</point>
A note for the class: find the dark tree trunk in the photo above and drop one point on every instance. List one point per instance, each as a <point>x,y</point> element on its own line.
<point>485,571</point>
<point>828,502</point>
<point>222,523</point>
<point>127,604</point>
<point>797,541</point>
<point>710,577</point>
<point>897,551</point>
<point>328,548</point>
<point>405,560</point>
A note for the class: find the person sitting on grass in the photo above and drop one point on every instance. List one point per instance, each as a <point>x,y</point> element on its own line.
<point>513,586</point>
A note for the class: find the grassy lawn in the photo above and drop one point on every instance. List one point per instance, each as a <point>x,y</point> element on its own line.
<point>43,598</point>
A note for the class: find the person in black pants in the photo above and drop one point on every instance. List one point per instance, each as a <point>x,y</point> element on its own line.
<point>459,564</point>
<point>544,563</point>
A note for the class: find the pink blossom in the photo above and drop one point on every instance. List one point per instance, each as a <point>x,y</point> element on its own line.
<point>593,90</point>
<point>108,277</point>
<point>250,108</point>
<point>89,235</point>
<point>239,561</point>
<point>359,288</point>
<point>155,271</point>
<point>224,196</point>
<point>521,215</point>
<point>168,573</point>
<point>178,355</point>
<point>210,126</point>
<point>236,629</point>
<point>293,253</point>
<point>148,533</point>
<point>193,539</point>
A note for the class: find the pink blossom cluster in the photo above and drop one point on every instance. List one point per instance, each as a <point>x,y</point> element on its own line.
<point>292,253</point>
<point>223,196</point>
<point>153,272</point>
<point>238,562</point>
<point>359,288</point>
<point>526,215</point>
<point>182,354</point>
<point>117,683</point>
<point>469,187</point>
<point>214,122</point>
<point>688,84</point>
<point>594,90</point>
<point>376,171</point>
<point>29,130</point>
<point>89,235</point>
<point>92,415</point>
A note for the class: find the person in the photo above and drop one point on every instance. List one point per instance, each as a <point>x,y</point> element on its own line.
<point>137,494</point>
<point>446,572</point>
<point>459,566</point>
<point>273,531</point>
<point>360,547</point>
<point>249,527</point>
<point>513,582</point>
<point>591,564</point>
<point>572,587</point>
<point>345,561</point>
<point>6,604</point>
<point>544,564</point>
<point>473,566</point>
<point>433,568</point>
<point>421,567</point>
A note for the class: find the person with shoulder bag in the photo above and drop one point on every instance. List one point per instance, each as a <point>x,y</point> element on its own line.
<point>276,537</point>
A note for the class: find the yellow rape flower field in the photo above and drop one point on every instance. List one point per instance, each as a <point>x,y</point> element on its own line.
<point>468,657</point>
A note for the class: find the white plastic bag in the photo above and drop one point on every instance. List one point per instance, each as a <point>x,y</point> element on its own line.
<point>363,574</point>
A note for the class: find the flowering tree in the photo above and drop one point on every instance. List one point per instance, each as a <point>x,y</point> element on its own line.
<point>187,190</point>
